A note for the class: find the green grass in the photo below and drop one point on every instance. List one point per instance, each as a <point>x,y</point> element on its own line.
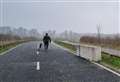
<point>9,46</point>
<point>5,48</point>
<point>69,46</point>
<point>112,61</point>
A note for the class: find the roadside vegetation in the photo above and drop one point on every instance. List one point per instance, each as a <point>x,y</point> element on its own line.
<point>69,46</point>
<point>9,41</point>
<point>108,60</point>
<point>107,42</point>
<point>7,47</point>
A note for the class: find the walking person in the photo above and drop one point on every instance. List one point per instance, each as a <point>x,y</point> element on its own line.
<point>46,41</point>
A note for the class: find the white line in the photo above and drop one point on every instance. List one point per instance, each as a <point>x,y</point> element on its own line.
<point>107,69</point>
<point>37,52</point>
<point>38,66</point>
<point>64,48</point>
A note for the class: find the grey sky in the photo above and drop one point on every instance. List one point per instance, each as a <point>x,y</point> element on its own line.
<point>81,17</point>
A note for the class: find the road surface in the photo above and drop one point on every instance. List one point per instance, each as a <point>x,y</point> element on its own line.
<point>55,65</point>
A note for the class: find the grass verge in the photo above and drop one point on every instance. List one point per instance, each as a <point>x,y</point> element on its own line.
<point>68,46</point>
<point>9,46</point>
<point>110,61</point>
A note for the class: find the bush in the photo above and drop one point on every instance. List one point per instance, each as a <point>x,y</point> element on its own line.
<point>112,42</point>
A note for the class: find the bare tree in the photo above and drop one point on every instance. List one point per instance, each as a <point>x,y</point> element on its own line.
<point>99,33</point>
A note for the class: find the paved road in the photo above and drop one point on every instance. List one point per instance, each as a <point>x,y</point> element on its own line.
<point>56,65</point>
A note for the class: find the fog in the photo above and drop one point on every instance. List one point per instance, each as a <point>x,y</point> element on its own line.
<point>80,17</point>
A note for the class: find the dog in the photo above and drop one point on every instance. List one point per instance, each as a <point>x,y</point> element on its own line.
<point>40,45</point>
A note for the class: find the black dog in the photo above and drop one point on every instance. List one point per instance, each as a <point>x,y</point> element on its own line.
<point>40,45</point>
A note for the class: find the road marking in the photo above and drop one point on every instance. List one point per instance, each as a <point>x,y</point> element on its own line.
<point>37,52</point>
<point>38,66</point>
<point>107,69</point>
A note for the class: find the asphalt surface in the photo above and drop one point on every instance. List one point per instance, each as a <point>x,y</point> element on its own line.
<point>56,65</point>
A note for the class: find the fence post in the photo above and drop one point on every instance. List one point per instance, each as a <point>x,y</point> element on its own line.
<point>78,50</point>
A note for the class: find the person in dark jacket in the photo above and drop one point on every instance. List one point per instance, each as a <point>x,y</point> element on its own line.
<point>46,41</point>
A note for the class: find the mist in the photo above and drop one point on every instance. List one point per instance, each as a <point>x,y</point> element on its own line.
<point>79,17</point>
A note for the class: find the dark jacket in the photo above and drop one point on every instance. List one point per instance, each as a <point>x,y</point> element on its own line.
<point>46,39</point>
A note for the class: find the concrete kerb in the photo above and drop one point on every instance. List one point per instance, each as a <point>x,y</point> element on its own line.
<point>114,72</point>
<point>63,48</point>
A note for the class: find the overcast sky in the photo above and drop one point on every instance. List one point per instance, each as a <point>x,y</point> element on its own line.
<point>78,16</point>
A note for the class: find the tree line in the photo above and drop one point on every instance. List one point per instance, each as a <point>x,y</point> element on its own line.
<point>112,41</point>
